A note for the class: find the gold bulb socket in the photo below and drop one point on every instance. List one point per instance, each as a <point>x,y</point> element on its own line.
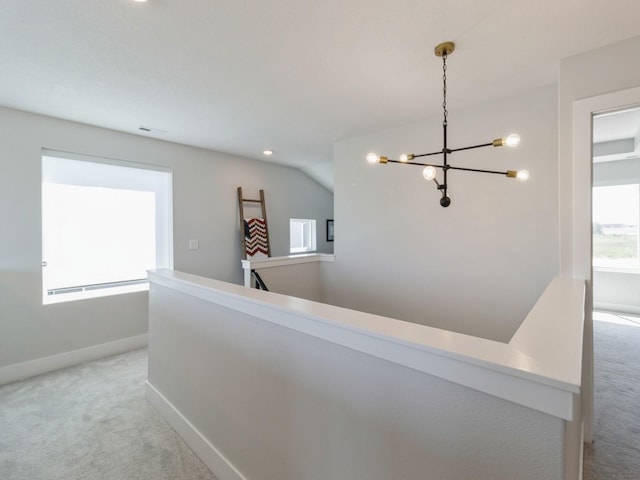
<point>512,174</point>
<point>383,159</point>
<point>499,142</point>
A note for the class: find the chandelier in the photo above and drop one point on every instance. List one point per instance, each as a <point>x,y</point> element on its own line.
<point>429,173</point>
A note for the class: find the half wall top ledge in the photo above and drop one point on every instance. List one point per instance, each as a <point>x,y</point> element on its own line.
<point>540,367</point>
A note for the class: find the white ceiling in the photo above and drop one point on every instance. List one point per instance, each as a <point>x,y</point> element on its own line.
<point>295,76</point>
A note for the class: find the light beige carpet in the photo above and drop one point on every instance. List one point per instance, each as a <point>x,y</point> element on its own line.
<point>90,422</point>
<point>615,455</point>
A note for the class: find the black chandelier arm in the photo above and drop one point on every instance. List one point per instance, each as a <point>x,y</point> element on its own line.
<point>449,167</point>
<point>490,144</point>
<point>439,152</point>
<point>420,164</point>
<point>479,170</point>
<point>451,150</point>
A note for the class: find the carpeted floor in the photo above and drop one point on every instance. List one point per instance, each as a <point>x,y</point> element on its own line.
<point>615,455</point>
<point>90,422</point>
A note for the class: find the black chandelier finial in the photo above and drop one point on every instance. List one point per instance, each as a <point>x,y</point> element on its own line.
<point>443,50</point>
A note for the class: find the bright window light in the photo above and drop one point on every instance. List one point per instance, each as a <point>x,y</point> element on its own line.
<point>616,221</point>
<point>103,226</point>
<point>302,235</point>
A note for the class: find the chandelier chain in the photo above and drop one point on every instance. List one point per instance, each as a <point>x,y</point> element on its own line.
<point>444,87</point>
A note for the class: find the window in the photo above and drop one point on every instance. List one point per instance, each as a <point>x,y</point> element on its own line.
<point>302,235</point>
<point>616,217</point>
<point>103,226</point>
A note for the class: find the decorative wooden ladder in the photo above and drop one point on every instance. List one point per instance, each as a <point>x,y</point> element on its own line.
<point>259,283</point>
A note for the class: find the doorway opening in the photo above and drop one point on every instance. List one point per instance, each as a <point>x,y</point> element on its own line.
<point>616,215</point>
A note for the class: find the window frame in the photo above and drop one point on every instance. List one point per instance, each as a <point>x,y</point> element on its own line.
<point>311,245</point>
<point>58,168</point>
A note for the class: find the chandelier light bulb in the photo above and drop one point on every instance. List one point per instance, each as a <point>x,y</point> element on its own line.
<point>522,175</point>
<point>404,157</point>
<point>512,140</point>
<point>373,158</point>
<point>429,173</point>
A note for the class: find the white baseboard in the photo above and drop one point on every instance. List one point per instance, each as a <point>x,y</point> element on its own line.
<point>19,371</point>
<point>616,307</point>
<point>219,465</point>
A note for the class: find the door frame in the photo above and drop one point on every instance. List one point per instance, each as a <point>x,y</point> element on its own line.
<point>582,262</point>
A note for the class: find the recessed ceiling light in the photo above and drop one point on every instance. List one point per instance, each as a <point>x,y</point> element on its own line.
<point>139,1</point>
<point>268,152</point>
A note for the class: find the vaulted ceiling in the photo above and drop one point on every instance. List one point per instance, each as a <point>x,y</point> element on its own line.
<point>293,76</point>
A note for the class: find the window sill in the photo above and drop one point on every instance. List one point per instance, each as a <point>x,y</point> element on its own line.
<point>104,292</point>
<point>631,271</point>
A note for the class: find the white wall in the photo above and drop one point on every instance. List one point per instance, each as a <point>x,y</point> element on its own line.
<point>205,208</point>
<point>475,267</point>
<point>286,276</point>
<point>282,405</point>
<point>616,291</point>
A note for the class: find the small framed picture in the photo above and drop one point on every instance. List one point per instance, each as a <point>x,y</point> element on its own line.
<point>330,230</point>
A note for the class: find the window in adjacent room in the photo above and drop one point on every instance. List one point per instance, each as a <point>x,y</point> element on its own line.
<point>104,224</point>
<point>302,235</point>
<point>616,219</point>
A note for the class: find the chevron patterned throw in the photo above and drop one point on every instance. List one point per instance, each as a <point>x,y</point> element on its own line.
<point>255,238</point>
